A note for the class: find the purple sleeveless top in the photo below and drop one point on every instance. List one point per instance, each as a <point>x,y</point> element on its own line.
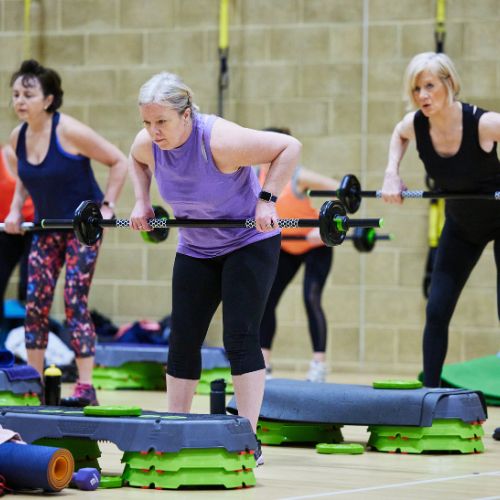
<point>190,182</point>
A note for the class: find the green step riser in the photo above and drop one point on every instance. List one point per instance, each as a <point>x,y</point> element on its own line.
<point>277,433</point>
<point>190,458</point>
<point>195,477</point>
<point>151,376</point>
<point>10,399</point>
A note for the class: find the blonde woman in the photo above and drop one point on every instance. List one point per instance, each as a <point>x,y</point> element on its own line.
<point>457,142</point>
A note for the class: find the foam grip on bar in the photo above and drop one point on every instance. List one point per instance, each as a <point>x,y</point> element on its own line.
<point>27,466</point>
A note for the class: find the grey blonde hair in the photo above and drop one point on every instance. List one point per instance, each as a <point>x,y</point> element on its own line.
<point>439,65</point>
<point>169,89</point>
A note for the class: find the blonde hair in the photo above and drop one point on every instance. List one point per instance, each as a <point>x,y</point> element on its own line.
<point>167,88</point>
<point>438,64</point>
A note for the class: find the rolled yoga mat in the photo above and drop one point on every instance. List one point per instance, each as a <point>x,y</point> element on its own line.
<point>27,466</point>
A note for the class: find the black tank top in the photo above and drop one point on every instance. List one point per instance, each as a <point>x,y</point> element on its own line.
<point>471,170</point>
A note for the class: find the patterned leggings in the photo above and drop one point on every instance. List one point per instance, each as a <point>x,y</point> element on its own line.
<point>49,252</point>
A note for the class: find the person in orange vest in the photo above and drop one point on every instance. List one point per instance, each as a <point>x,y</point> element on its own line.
<point>310,252</point>
<point>14,248</point>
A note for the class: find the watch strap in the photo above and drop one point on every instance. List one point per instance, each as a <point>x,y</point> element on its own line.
<point>267,196</point>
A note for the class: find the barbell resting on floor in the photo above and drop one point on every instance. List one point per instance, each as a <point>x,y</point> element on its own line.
<point>350,194</point>
<point>363,238</point>
<point>88,223</point>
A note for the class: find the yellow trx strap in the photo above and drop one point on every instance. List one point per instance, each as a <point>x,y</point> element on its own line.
<point>440,30</point>
<point>27,30</point>
<point>436,221</point>
<point>223,52</point>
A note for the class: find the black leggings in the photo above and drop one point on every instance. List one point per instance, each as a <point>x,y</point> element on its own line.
<point>455,259</point>
<point>14,249</point>
<point>241,280</point>
<point>318,262</point>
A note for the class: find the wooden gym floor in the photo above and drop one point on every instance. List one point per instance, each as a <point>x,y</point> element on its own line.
<point>301,473</point>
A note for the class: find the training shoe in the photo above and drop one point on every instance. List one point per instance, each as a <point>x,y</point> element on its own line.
<point>317,371</point>
<point>269,372</point>
<point>259,458</point>
<point>83,395</point>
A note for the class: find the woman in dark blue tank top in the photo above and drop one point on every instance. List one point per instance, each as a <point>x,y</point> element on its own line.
<point>53,153</point>
<point>457,143</point>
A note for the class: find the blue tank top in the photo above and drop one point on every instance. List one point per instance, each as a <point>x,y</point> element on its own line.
<point>60,182</point>
<point>471,169</point>
<point>190,182</point>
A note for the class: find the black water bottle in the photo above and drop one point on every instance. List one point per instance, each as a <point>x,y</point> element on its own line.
<point>52,380</point>
<point>218,396</point>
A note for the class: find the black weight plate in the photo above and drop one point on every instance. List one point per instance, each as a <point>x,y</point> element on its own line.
<point>363,239</point>
<point>349,193</point>
<point>157,235</point>
<point>86,223</point>
<point>331,234</point>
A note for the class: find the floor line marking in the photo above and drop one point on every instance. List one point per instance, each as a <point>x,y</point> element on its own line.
<point>397,485</point>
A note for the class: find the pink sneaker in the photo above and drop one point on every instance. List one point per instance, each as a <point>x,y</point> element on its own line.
<point>83,395</point>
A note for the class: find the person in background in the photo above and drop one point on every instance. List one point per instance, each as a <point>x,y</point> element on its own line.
<point>14,248</point>
<point>310,252</point>
<point>202,167</point>
<point>53,152</point>
<point>457,143</point>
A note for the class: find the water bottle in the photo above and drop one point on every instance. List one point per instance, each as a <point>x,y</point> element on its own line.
<point>52,379</point>
<point>218,396</point>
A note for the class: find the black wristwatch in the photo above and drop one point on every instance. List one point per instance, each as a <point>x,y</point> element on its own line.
<point>267,196</point>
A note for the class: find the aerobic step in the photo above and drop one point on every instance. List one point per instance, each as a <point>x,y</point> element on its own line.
<point>451,435</point>
<point>8,398</point>
<point>208,376</point>
<point>143,375</point>
<point>188,468</point>
<point>276,433</point>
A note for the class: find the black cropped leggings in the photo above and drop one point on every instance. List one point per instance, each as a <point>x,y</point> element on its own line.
<point>318,262</point>
<point>455,259</point>
<point>241,280</point>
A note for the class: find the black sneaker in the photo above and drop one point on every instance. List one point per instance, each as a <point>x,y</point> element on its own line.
<point>259,458</point>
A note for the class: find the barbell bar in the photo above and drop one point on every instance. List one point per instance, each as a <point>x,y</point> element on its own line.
<point>350,194</point>
<point>88,223</point>
<point>25,226</point>
<point>363,238</point>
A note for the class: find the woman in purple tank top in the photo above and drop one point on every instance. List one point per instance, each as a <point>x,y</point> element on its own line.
<point>53,153</point>
<point>201,164</point>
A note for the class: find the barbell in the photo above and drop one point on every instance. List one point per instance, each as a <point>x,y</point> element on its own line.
<point>363,238</point>
<point>88,223</point>
<point>350,194</point>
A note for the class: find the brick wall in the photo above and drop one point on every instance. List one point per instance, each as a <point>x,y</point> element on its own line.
<point>332,71</point>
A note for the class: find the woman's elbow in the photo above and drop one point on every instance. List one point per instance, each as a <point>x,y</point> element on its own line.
<point>295,146</point>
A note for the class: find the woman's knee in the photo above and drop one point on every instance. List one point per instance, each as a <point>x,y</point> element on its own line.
<point>243,352</point>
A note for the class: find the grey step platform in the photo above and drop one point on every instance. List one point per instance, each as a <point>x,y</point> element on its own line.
<point>117,354</point>
<point>301,401</point>
<point>161,432</point>
<point>33,385</point>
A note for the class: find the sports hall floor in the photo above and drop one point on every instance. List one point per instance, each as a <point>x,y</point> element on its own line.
<point>301,473</point>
